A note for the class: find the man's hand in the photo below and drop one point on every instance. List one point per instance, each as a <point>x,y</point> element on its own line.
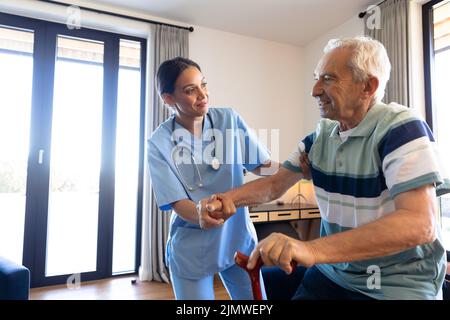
<point>204,219</point>
<point>305,165</point>
<point>280,250</point>
<point>220,206</point>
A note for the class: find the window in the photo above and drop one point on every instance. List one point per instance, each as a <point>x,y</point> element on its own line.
<point>71,132</point>
<point>436,15</point>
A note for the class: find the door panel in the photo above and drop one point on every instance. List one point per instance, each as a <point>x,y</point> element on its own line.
<point>127,157</point>
<point>76,144</point>
<point>16,65</point>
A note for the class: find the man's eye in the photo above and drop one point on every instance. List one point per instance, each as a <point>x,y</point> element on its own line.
<point>189,91</point>
<point>204,85</point>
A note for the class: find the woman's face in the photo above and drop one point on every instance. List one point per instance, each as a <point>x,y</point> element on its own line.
<point>190,96</point>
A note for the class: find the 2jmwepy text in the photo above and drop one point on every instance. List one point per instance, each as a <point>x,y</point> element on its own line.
<point>226,310</point>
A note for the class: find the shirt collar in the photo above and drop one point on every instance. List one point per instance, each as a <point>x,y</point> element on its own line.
<point>366,126</point>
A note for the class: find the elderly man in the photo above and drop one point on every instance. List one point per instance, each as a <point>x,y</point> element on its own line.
<point>375,175</point>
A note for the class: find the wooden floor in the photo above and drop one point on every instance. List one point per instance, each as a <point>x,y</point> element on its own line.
<point>118,288</point>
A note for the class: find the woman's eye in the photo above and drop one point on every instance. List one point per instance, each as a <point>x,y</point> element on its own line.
<point>204,85</point>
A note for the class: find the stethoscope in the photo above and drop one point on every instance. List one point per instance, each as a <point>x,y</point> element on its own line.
<point>215,163</point>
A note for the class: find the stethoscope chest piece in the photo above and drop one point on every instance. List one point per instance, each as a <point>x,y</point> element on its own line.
<point>215,164</point>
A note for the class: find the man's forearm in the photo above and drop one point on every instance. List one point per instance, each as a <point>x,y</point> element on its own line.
<point>253,193</point>
<point>265,189</point>
<point>394,233</point>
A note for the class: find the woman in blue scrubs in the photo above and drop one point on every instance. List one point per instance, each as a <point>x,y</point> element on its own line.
<point>197,152</point>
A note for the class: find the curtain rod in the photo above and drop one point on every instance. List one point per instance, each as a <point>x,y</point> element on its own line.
<point>190,29</point>
<point>363,13</point>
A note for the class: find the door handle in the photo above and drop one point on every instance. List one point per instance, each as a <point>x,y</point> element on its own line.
<point>41,156</point>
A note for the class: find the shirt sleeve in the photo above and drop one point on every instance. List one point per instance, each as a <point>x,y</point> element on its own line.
<point>409,159</point>
<point>293,161</point>
<point>166,185</point>
<point>255,154</point>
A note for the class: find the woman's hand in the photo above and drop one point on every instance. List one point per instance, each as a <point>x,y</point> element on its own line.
<point>215,210</point>
<point>221,206</point>
<point>204,219</point>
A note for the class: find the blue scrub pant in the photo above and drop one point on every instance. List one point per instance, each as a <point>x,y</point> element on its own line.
<point>235,279</point>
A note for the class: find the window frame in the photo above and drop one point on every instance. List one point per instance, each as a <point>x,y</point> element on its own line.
<point>429,76</point>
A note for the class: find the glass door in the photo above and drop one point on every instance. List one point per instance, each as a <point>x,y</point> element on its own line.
<point>16,77</point>
<point>75,159</point>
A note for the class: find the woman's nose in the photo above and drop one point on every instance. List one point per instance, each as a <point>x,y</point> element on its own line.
<point>202,93</point>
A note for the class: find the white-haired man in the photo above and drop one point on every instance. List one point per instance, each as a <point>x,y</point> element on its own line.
<point>375,175</point>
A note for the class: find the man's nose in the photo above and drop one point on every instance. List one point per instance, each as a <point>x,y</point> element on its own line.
<point>317,89</point>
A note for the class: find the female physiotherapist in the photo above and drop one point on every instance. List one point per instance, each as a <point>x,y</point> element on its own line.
<point>195,153</point>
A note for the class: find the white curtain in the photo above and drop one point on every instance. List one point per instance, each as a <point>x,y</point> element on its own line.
<point>392,32</point>
<point>164,43</point>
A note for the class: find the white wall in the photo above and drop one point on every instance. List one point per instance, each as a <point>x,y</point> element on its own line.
<point>261,80</point>
<point>312,53</point>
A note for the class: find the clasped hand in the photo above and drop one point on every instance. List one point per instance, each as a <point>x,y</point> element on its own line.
<point>215,210</point>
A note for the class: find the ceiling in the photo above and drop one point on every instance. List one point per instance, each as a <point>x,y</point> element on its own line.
<point>294,22</point>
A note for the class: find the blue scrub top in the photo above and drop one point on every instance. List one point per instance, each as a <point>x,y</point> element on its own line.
<point>192,252</point>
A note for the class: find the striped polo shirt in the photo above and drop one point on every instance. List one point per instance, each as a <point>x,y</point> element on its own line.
<point>356,179</point>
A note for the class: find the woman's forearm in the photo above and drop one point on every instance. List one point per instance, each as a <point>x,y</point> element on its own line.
<point>187,210</point>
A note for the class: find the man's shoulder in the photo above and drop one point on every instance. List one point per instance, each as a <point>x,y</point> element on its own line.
<point>394,114</point>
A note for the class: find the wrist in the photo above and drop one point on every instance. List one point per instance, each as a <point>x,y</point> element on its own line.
<point>311,253</point>
<point>234,198</point>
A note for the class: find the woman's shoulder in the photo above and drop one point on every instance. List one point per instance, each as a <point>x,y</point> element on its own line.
<point>221,111</point>
<point>162,132</point>
<point>224,113</point>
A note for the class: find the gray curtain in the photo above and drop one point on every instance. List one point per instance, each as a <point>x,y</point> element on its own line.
<point>392,31</point>
<point>165,43</point>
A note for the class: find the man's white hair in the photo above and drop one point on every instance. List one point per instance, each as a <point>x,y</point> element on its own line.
<point>369,58</point>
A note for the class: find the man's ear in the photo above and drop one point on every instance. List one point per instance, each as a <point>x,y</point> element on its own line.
<point>371,86</point>
<point>168,99</point>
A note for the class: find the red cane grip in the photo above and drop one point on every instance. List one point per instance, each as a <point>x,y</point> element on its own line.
<point>242,260</point>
